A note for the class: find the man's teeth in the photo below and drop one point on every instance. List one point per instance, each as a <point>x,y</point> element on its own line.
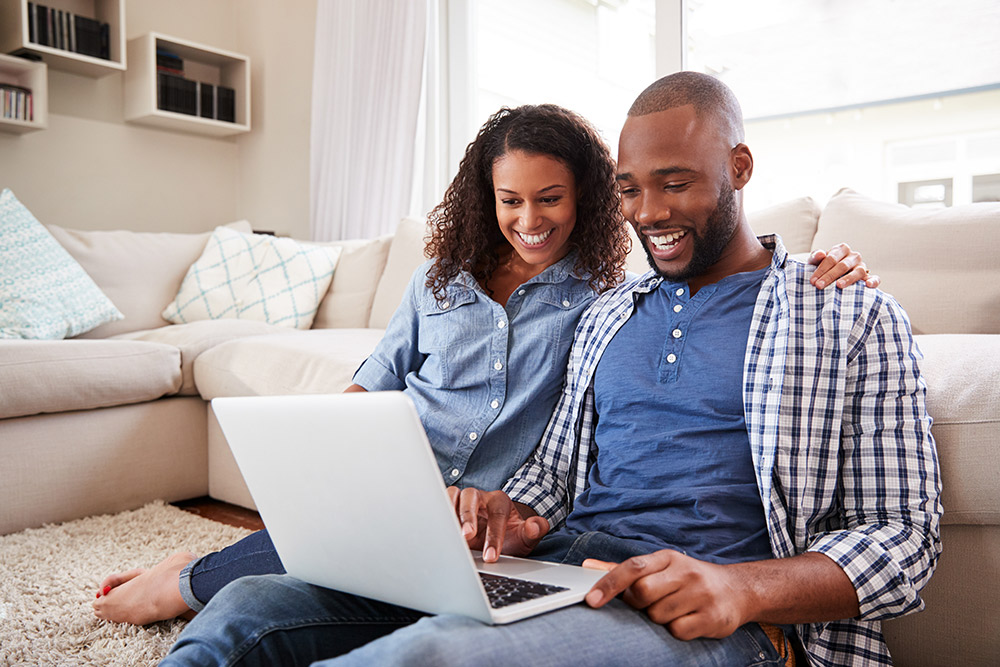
<point>534,239</point>
<point>666,240</point>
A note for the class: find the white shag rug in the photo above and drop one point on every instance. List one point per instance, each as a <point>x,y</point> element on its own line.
<point>49,576</point>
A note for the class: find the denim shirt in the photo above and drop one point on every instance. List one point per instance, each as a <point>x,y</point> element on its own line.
<point>452,358</point>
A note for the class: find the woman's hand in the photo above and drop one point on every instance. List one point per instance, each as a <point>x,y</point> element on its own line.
<point>842,265</point>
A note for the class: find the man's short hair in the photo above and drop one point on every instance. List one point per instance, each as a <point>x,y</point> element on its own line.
<point>708,96</point>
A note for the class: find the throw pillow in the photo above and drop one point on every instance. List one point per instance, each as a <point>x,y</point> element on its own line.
<point>255,277</point>
<point>940,264</point>
<point>44,292</point>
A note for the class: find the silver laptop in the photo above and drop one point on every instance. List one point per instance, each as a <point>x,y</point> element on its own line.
<point>352,497</point>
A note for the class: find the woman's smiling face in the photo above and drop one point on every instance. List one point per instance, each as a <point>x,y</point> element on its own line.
<point>536,206</point>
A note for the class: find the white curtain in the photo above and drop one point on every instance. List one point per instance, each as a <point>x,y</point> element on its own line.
<point>366,101</point>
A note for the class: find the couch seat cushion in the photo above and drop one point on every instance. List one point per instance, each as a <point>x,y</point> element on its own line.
<point>194,338</point>
<point>963,398</point>
<point>64,375</point>
<point>318,361</point>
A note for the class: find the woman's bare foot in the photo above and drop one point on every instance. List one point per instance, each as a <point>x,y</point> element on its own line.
<point>143,596</point>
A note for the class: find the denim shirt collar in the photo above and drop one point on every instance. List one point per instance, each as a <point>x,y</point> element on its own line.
<point>555,274</point>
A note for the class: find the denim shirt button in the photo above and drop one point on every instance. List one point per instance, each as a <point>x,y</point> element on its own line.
<point>495,404</point>
<point>566,303</point>
<point>520,292</point>
<point>446,305</point>
<point>498,366</point>
<point>473,435</point>
<point>501,324</point>
<point>455,472</point>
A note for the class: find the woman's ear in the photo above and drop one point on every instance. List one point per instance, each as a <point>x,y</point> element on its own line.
<point>741,163</point>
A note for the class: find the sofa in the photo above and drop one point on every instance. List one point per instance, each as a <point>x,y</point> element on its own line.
<point>118,416</point>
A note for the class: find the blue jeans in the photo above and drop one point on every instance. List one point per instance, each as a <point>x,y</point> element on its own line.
<point>202,578</point>
<point>272,620</point>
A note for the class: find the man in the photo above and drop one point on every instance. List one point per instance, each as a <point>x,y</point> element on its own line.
<point>749,457</point>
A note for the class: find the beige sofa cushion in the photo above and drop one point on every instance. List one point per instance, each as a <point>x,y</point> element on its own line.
<point>940,264</point>
<point>963,398</point>
<point>405,255</point>
<point>194,338</point>
<point>139,271</point>
<point>348,302</point>
<point>319,361</point>
<point>64,375</point>
<point>794,221</point>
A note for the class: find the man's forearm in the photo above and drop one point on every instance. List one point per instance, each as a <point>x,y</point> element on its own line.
<point>808,588</point>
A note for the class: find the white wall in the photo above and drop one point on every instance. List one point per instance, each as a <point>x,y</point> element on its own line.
<point>92,170</point>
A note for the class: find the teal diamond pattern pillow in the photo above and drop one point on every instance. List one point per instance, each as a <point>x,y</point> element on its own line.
<point>255,277</point>
<point>44,292</point>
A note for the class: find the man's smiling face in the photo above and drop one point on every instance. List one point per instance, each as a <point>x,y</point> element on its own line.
<point>673,171</point>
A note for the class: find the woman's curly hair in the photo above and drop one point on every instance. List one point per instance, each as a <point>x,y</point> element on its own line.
<point>464,232</point>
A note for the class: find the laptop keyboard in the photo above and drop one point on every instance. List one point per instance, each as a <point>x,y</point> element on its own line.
<point>503,591</point>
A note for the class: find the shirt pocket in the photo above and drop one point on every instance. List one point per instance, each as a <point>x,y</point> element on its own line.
<point>555,315</point>
<point>453,320</point>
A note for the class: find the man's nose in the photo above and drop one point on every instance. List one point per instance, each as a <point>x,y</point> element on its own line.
<point>650,210</point>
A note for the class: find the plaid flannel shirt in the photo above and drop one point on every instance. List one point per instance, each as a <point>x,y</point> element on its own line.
<point>839,433</point>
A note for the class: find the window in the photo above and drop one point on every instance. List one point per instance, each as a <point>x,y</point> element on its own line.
<point>900,101</point>
<point>591,56</point>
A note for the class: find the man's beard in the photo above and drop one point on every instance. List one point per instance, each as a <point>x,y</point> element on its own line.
<point>719,230</point>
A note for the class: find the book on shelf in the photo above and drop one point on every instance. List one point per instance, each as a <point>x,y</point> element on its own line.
<point>195,98</point>
<point>177,94</point>
<point>16,103</point>
<point>225,104</point>
<point>62,29</point>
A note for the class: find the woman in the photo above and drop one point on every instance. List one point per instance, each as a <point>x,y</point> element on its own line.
<point>528,233</point>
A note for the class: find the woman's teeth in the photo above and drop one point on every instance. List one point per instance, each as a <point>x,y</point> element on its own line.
<point>534,239</point>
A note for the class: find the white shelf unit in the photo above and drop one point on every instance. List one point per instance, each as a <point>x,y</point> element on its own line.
<point>15,35</point>
<point>201,63</point>
<point>33,76</point>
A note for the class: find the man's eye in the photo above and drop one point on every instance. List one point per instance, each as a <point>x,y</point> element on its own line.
<point>629,192</point>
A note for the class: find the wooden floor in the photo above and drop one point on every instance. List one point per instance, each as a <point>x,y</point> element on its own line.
<point>216,510</point>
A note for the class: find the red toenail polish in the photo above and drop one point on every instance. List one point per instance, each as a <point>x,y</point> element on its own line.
<point>106,589</point>
<point>98,593</point>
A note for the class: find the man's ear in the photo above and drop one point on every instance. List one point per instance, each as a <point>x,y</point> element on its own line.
<point>741,163</point>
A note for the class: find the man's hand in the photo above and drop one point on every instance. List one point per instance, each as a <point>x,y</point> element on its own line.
<point>494,523</point>
<point>691,597</point>
<point>698,599</point>
<point>842,265</point>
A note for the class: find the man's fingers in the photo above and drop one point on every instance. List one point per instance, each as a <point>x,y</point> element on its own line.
<point>594,564</point>
<point>498,511</point>
<point>469,503</point>
<point>626,574</point>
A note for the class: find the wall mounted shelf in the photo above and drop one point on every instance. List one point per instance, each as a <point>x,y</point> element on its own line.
<point>18,26</point>
<point>203,64</point>
<point>33,76</point>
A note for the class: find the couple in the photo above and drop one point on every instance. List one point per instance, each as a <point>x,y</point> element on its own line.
<point>747,455</point>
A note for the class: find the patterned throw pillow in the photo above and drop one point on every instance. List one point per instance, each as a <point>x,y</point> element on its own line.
<point>44,292</point>
<point>255,277</point>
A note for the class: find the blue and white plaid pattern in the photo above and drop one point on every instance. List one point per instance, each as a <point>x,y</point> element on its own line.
<point>840,437</point>
<point>44,292</point>
<point>255,277</point>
